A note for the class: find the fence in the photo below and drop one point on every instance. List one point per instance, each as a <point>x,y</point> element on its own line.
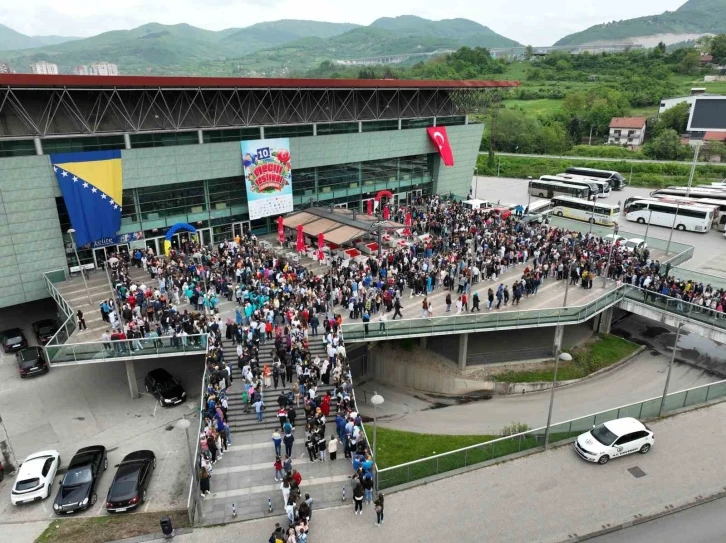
<point>479,322</point>
<point>69,323</point>
<point>534,439</point>
<point>126,348</point>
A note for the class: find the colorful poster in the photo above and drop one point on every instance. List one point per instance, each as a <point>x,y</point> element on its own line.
<point>268,177</point>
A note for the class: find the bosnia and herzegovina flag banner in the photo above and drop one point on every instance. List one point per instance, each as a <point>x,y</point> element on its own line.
<point>92,185</point>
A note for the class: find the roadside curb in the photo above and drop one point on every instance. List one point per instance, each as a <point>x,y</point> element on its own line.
<point>670,510</point>
<point>153,537</point>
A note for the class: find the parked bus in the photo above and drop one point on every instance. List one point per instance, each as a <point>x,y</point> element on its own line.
<point>580,182</point>
<point>549,189</point>
<point>603,186</point>
<point>585,210</point>
<point>695,218</point>
<point>695,193</point>
<point>716,206</point>
<point>616,180</point>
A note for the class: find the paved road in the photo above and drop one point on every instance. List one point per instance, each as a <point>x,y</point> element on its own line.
<point>542,498</point>
<point>688,162</point>
<point>710,248</point>
<point>703,524</point>
<point>642,378</point>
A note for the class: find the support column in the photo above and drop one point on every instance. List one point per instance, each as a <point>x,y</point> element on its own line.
<point>606,320</point>
<point>559,333</point>
<point>315,129</point>
<point>200,137</point>
<point>131,376</point>
<point>596,322</point>
<point>360,126</point>
<point>463,348</point>
<point>262,132</point>
<point>38,146</point>
<point>127,140</point>
<point>423,342</point>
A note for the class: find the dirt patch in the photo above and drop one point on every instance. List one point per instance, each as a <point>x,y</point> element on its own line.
<point>109,527</point>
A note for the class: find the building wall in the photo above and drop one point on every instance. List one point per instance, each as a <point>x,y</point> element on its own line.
<point>30,236</point>
<point>31,240</point>
<point>638,137</point>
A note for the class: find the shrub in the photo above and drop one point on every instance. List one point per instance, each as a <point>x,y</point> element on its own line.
<point>514,428</point>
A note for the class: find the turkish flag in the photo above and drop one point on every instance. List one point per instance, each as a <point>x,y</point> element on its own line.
<point>280,229</point>
<point>440,139</point>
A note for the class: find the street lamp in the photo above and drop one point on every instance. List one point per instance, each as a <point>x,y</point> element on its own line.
<point>565,357</point>
<point>610,256</point>
<point>376,400</point>
<point>670,368</point>
<point>650,216</point>
<point>673,227</point>
<point>592,215</point>
<point>72,231</point>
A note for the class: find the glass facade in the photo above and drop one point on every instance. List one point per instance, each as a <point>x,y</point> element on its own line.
<point>165,139</point>
<point>380,126</point>
<point>416,123</point>
<point>163,201</point>
<point>235,134</point>
<point>336,128</point>
<point>17,148</point>
<point>74,145</point>
<point>290,131</point>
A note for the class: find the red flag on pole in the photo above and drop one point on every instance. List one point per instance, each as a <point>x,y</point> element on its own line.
<point>407,230</point>
<point>321,244</point>
<point>370,207</point>
<point>300,245</point>
<point>440,139</point>
<point>280,229</point>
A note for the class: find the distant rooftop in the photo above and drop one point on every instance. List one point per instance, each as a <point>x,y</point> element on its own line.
<point>627,122</point>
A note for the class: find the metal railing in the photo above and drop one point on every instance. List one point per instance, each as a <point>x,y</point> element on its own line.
<point>480,322</point>
<point>534,439</point>
<point>69,323</point>
<point>126,349</point>
<point>686,310</point>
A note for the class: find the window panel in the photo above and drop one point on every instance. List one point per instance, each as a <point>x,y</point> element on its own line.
<point>17,148</point>
<point>379,126</point>
<point>450,121</point>
<point>170,200</point>
<point>235,134</point>
<point>417,123</point>
<point>71,145</point>
<point>170,139</point>
<point>336,128</point>
<point>291,131</point>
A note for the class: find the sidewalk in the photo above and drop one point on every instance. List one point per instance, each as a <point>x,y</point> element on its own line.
<point>548,497</point>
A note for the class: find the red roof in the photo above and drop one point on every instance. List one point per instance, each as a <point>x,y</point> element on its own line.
<point>706,58</point>
<point>627,122</point>
<point>714,136</point>
<point>36,80</point>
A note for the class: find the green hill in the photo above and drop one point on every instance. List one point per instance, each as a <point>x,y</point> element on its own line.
<point>693,17</point>
<point>10,40</point>
<point>464,31</point>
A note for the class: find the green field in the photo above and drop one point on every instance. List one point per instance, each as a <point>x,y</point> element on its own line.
<point>544,106</point>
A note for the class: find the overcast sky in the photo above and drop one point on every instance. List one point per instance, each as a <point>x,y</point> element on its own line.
<point>536,22</point>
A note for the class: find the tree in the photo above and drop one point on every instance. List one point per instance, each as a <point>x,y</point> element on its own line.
<point>660,49</point>
<point>675,118</point>
<point>528,52</point>
<point>575,103</point>
<point>718,49</point>
<point>666,146</point>
<point>554,139</point>
<point>690,62</point>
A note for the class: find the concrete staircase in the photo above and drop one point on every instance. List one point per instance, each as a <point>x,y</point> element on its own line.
<point>74,292</point>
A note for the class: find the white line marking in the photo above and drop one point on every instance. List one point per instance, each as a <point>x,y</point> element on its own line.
<point>155,406</point>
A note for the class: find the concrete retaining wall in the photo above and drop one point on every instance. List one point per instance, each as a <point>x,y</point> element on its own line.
<point>672,319</point>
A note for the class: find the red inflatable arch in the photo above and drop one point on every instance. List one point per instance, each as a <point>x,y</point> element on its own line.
<point>384,194</point>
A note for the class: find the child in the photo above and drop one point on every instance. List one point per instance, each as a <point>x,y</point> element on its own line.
<point>278,469</point>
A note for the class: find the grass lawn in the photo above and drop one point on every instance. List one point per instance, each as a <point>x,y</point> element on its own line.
<point>544,106</point>
<point>600,353</point>
<point>108,527</point>
<point>397,447</point>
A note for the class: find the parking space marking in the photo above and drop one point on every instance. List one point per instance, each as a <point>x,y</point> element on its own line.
<point>166,458</point>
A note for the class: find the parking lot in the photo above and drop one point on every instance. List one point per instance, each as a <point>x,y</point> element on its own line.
<point>77,406</point>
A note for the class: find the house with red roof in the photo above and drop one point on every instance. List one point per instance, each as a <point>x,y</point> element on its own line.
<point>628,131</point>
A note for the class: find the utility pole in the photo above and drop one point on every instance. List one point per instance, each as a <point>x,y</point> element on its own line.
<point>673,227</point>
<point>693,168</point>
<point>610,256</point>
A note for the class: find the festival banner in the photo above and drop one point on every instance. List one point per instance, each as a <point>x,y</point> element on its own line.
<point>268,177</point>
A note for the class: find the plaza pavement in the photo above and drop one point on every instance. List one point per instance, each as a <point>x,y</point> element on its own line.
<point>548,497</point>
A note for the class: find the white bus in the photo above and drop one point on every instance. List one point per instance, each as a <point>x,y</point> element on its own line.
<point>585,210</point>
<point>695,218</point>
<point>549,189</point>
<point>616,179</point>
<point>603,185</point>
<point>591,185</point>
<point>716,206</point>
<point>695,193</point>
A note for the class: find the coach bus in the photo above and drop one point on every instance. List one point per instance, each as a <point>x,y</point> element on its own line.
<point>616,180</point>
<point>585,210</point>
<point>549,189</point>
<point>591,185</point>
<point>603,186</point>
<point>698,193</point>
<point>695,218</point>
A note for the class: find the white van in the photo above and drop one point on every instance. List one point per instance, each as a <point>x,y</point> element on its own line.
<point>477,204</point>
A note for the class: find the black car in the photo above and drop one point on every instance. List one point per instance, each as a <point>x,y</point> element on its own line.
<point>31,361</point>
<point>164,387</point>
<point>13,340</point>
<point>128,489</point>
<point>44,330</point>
<point>78,486</point>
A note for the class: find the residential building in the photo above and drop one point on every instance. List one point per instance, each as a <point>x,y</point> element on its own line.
<point>44,68</point>
<point>103,68</point>
<point>628,131</point>
<point>182,160</point>
<point>4,68</point>
<point>667,103</point>
<point>81,70</point>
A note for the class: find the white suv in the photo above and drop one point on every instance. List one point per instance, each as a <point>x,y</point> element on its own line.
<point>614,438</point>
<point>35,477</point>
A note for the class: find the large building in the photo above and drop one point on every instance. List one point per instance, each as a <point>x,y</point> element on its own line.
<point>181,155</point>
<point>103,68</point>
<point>43,67</point>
